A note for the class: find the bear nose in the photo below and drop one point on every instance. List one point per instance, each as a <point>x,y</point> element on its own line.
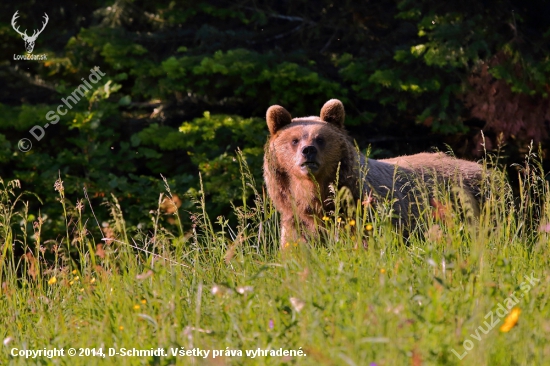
<point>309,152</point>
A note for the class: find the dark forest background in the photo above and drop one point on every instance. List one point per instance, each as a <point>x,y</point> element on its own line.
<point>188,83</point>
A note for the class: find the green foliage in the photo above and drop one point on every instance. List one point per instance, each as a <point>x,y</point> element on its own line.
<point>248,77</point>
<point>210,143</point>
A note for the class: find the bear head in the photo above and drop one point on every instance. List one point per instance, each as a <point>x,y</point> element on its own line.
<point>307,147</point>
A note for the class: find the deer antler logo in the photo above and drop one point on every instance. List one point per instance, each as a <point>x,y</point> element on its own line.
<point>29,41</point>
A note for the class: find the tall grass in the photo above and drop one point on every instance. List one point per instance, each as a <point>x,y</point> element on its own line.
<point>225,286</point>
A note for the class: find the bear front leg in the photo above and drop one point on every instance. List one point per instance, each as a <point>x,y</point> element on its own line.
<point>289,234</point>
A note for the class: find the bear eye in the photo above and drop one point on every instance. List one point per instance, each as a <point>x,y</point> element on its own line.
<point>295,142</point>
<point>320,140</point>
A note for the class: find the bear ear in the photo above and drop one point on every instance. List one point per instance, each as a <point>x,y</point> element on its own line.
<point>277,117</point>
<point>333,112</point>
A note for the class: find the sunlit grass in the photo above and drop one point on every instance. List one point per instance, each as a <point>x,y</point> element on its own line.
<point>230,287</point>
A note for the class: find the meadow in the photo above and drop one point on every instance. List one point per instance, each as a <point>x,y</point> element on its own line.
<point>458,290</point>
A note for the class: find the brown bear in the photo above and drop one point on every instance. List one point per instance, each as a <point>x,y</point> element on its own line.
<point>303,157</point>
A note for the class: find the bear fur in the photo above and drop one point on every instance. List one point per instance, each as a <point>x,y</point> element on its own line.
<point>304,155</point>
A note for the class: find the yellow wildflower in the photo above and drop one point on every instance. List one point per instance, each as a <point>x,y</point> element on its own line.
<point>352,223</point>
<point>511,320</point>
<point>368,227</point>
<point>52,280</point>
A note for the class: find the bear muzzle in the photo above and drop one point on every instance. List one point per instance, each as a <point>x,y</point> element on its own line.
<point>309,153</point>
